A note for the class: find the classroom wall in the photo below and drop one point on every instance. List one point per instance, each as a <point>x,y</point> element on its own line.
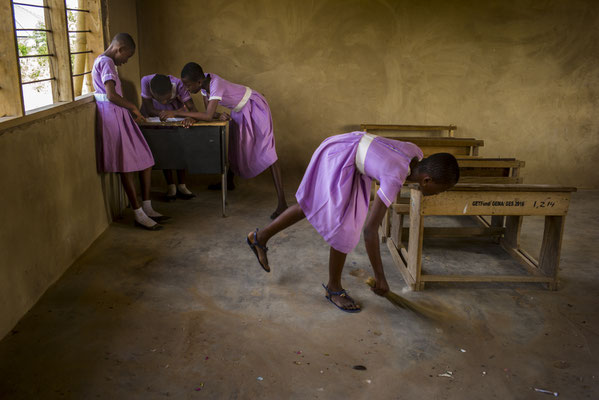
<point>122,17</point>
<point>522,75</point>
<point>53,205</point>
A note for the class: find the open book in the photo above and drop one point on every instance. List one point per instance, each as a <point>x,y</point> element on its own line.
<point>156,119</point>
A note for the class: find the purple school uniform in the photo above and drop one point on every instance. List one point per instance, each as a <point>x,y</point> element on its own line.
<point>124,149</point>
<point>251,137</point>
<point>179,95</point>
<point>335,191</point>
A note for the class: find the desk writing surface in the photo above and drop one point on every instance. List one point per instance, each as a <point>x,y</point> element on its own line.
<point>154,123</point>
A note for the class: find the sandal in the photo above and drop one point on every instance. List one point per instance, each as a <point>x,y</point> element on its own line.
<point>253,247</point>
<point>341,293</point>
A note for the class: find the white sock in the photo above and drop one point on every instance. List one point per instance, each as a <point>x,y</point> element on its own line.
<point>147,208</point>
<point>183,189</point>
<point>171,190</point>
<point>142,218</point>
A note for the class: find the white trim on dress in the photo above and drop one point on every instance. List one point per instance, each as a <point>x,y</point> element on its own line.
<point>101,97</point>
<point>363,146</point>
<point>384,195</point>
<point>244,100</point>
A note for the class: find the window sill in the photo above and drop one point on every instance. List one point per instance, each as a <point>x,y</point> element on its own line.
<point>44,112</point>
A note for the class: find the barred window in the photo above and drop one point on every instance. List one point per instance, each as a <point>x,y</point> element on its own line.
<point>50,60</point>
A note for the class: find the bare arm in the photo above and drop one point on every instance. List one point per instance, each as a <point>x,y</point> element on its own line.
<point>371,239</point>
<point>115,98</point>
<point>207,115</point>
<point>189,104</point>
<point>149,107</point>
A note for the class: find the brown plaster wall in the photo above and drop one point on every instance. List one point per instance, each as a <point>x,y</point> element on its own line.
<point>122,17</point>
<point>522,75</point>
<point>52,205</point>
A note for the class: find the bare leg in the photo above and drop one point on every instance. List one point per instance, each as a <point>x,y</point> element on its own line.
<point>336,263</point>
<point>181,174</point>
<point>168,175</point>
<point>289,217</point>
<point>129,186</point>
<point>278,181</point>
<point>145,177</point>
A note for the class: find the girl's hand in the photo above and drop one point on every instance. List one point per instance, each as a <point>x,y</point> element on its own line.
<point>187,122</point>
<point>137,117</point>
<point>381,287</point>
<point>166,114</point>
<point>224,117</point>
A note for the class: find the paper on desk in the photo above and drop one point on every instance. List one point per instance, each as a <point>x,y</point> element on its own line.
<point>156,119</point>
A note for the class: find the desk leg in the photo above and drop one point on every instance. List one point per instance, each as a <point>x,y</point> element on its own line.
<point>551,247</point>
<point>513,224</point>
<point>415,239</point>
<point>224,191</point>
<point>497,221</point>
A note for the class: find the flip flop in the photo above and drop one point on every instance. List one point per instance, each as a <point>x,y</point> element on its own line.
<point>341,293</point>
<point>253,247</point>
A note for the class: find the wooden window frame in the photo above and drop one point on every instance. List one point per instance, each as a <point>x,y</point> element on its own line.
<point>12,107</point>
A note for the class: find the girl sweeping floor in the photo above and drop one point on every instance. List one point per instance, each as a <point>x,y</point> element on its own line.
<point>334,196</point>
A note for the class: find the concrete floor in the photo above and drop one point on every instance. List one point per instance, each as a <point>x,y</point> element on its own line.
<point>188,313</point>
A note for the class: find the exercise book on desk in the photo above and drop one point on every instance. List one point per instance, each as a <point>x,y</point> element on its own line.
<point>157,119</point>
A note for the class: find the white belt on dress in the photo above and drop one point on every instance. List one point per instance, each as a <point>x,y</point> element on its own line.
<point>101,97</point>
<point>244,100</point>
<point>362,149</point>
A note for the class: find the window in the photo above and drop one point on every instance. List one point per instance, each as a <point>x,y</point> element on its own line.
<point>52,55</point>
<point>81,40</point>
<point>34,58</point>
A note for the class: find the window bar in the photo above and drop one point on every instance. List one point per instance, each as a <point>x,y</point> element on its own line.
<point>29,5</point>
<point>83,73</point>
<point>81,52</point>
<point>39,80</point>
<point>77,9</point>
<point>34,30</point>
<point>87,31</point>
<point>37,55</point>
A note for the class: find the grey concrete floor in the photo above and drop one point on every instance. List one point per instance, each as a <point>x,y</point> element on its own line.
<point>188,313</point>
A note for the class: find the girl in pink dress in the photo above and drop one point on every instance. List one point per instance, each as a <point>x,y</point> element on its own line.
<point>124,149</point>
<point>334,196</point>
<point>159,93</point>
<point>251,137</point>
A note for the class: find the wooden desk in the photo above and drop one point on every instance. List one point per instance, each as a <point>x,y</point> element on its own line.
<point>459,147</point>
<point>450,129</point>
<point>490,170</point>
<point>512,201</point>
<point>472,170</point>
<point>201,148</point>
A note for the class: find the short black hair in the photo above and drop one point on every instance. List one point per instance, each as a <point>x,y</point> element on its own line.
<point>125,39</point>
<point>192,71</point>
<point>161,84</point>
<point>442,168</point>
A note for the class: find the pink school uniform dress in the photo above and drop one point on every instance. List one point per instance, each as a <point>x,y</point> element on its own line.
<point>123,149</point>
<point>251,137</point>
<point>179,95</point>
<point>335,191</point>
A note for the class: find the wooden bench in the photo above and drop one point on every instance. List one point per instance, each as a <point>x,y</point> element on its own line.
<point>450,129</point>
<point>472,170</point>
<point>509,202</point>
<point>490,170</point>
<point>459,147</point>
<point>465,147</point>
